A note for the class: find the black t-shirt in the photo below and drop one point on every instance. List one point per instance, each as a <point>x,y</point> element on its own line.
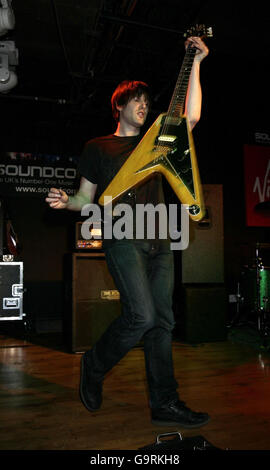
<point>101,160</point>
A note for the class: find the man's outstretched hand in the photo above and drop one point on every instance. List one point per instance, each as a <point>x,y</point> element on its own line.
<point>57,198</point>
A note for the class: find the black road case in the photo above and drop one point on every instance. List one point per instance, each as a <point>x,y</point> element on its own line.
<point>11,290</point>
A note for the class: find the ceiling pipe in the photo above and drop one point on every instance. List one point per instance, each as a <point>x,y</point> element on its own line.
<point>59,101</point>
<point>127,21</point>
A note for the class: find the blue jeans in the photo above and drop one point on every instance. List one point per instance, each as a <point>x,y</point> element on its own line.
<point>143,272</point>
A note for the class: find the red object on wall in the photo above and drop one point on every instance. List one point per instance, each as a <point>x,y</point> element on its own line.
<point>257,185</point>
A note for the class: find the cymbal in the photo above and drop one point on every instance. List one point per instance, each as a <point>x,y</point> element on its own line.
<point>252,244</point>
<point>263,245</point>
<point>254,266</point>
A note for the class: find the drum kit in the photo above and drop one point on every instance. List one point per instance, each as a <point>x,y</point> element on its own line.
<point>253,291</point>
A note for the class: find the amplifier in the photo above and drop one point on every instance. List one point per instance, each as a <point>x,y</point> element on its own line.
<point>11,291</point>
<point>88,237</point>
<point>92,300</point>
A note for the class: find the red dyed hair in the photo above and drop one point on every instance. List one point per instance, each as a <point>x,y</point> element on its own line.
<point>125,91</point>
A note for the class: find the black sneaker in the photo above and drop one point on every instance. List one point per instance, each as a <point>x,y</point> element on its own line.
<point>90,391</point>
<point>176,413</point>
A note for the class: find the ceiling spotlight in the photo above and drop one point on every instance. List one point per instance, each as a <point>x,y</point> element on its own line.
<point>8,61</point>
<point>7,18</point>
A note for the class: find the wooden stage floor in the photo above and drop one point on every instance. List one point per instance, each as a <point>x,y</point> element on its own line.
<point>40,407</point>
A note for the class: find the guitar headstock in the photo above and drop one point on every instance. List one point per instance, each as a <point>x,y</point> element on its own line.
<point>199,30</point>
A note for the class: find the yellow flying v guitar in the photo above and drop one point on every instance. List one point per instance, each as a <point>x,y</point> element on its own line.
<point>167,148</point>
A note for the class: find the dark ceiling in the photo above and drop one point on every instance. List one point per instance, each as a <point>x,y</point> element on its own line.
<point>78,51</point>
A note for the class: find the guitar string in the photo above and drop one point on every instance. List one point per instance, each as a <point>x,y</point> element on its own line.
<point>183,75</point>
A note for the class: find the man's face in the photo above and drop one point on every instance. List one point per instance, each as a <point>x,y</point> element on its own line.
<point>134,113</point>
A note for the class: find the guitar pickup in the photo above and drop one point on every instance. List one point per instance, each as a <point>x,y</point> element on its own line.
<point>171,121</point>
<point>167,138</point>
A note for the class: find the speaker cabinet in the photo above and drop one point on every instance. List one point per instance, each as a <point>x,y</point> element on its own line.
<point>203,260</point>
<point>203,314</point>
<point>94,300</point>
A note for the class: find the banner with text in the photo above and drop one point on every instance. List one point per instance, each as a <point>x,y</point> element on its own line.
<point>33,174</point>
<point>257,185</point>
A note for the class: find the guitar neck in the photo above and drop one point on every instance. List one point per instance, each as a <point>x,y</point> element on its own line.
<point>177,104</point>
